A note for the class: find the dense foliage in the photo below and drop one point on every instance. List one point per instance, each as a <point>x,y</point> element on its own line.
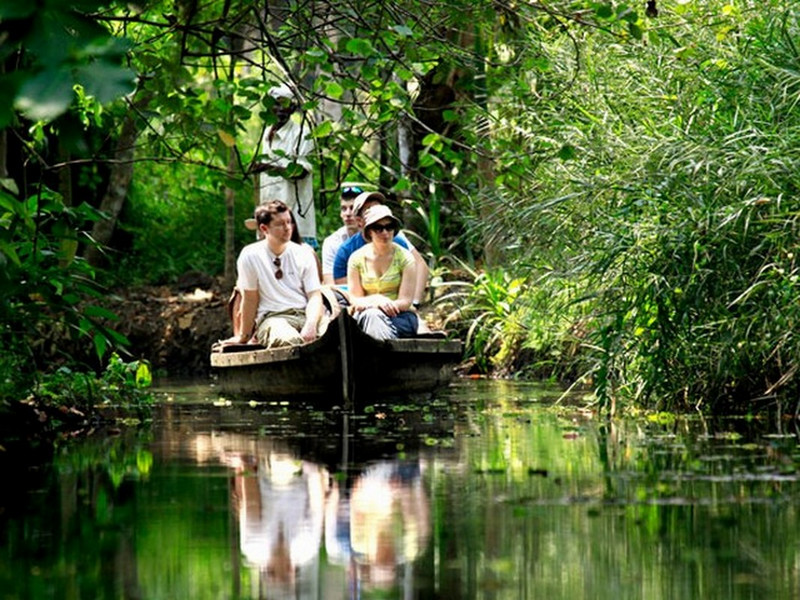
<point>606,190</point>
<point>665,232</point>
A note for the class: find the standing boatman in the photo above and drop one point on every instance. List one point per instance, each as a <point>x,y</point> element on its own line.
<point>283,167</point>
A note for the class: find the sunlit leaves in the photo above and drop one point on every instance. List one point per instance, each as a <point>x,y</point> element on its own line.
<point>323,130</point>
<point>403,30</point>
<point>359,46</point>
<point>226,138</point>
<point>334,89</point>
<point>46,95</point>
<point>62,47</point>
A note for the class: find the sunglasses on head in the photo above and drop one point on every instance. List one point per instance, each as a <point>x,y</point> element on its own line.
<point>279,273</point>
<point>380,228</point>
<point>351,190</point>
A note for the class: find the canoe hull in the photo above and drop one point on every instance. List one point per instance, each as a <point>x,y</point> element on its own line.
<point>342,364</point>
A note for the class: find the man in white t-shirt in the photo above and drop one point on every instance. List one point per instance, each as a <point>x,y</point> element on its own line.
<point>330,244</point>
<point>280,285</point>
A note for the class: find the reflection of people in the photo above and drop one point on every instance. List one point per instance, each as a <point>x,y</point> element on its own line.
<point>331,244</point>
<point>285,168</point>
<point>280,520</point>
<point>280,285</point>
<point>361,205</point>
<point>389,520</point>
<point>381,279</point>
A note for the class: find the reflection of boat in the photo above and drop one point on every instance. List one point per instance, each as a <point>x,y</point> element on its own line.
<point>338,365</point>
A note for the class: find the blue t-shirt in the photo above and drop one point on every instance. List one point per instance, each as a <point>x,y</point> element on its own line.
<point>350,245</point>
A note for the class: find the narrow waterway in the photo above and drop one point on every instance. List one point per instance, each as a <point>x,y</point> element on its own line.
<point>490,490</point>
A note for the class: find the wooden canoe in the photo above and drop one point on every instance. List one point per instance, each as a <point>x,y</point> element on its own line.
<point>342,364</point>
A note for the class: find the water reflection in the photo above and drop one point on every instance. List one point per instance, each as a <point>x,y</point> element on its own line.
<point>489,493</point>
<point>379,527</point>
<point>375,521</point>
<point>319,511</point>
<point>279,500</point>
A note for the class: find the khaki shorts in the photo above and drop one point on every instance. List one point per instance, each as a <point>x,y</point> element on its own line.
<point>283,328</point>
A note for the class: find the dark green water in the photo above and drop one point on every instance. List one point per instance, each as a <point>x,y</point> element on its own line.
<point>489,491</point>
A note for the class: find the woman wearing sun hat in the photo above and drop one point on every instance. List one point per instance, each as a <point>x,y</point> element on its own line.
<point>381,278</point>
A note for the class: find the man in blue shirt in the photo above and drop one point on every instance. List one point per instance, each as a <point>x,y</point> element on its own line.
<point>362,202</point>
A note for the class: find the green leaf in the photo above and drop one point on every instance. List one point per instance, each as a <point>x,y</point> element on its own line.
<point>635,31</point>
<point>100,345</point>
<point>143,376</point>
<point>16,9</point>
<point>604,11</point>
<point>294,170</point>
<point>627,14</point>
<point>8,250</point>
<point>118,338</point>
<point>100,312</point>
<point>402,185</point>
<point>240,113</point>
<point>404,74</point>
<point>426,160</point>
<point>333,89</point>
<point>402,30</point>
<point>226,138</point>
<point>46,95</point>
<point>567,152</point>
<point>369,72</point>
<point>449,115</point>
<point>359,46</point>
<point>105,81</point>
<point>322,130</point>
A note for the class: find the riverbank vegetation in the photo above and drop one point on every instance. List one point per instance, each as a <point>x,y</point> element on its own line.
<point>606,191</point>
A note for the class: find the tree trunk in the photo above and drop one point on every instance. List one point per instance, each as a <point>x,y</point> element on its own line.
<point>117,192</point>
<point>230,224</point>
<point>3,154</point>
<point>237,45</point>
<point>492,252</point>
<point>3,143</point>
<point>405,152</point>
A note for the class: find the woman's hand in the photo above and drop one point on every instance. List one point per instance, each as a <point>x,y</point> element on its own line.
<point>379,301</point>
<point>389,308</point>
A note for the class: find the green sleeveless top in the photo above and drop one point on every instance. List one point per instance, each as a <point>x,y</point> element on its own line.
<point>389,283</point>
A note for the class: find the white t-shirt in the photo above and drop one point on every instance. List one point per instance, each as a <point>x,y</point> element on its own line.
<point>292,507</point>
<point>330,246</point>
<point>300,277</point>
<point>291,143</point>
